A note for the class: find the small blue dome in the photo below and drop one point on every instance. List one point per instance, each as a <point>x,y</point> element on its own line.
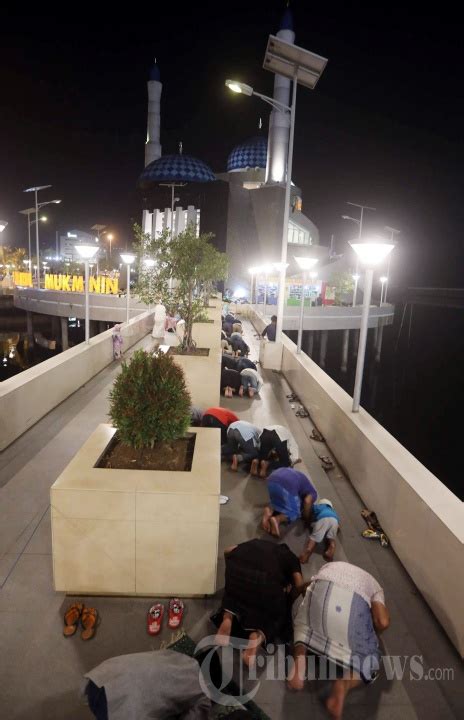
<point>287,20</point>
<point>176,168</point>
<point>154,73</point>
<point>250,154</point>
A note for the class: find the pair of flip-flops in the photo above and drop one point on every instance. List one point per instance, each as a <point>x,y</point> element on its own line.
<point>88,618</point>
<point>156,613</point>
<point>326,462</point>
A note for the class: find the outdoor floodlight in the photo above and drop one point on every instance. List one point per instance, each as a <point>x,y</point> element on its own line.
<point>127,258</point>
<point>86,252</point>
<point>238,87</point>
<point>372,253</point>
<point>306,263</point>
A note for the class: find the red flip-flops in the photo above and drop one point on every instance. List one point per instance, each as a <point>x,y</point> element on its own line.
<point>176,613</point>
<point>155,619</point>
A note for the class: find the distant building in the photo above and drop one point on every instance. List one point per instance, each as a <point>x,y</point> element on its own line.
<point>68,241</point>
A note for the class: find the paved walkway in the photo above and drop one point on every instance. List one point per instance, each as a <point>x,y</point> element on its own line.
<point>41,670</point>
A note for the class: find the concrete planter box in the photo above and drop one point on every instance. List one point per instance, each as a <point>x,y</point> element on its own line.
<point>203,376</point>
<point>207,334</point>
<point>137,532</point>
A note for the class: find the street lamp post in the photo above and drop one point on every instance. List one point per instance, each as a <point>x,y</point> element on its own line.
<point>305,264</point>
<point>86,252</point>
<point>370,254</point>
<point>38,205</point>
<point>300,66</point>
<point>128,258</point>
<point>359,222</point>
<point>383,280</point>
<point>253,272</point>
<point>266,269</point>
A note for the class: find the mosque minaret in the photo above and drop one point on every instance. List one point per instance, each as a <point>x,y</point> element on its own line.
<point>152,145</point>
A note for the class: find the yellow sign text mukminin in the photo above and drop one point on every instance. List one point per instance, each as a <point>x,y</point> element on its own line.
<point>24,279</point>
<point>75,283</point>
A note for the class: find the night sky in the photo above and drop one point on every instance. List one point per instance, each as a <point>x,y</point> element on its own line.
<point>383,126</point>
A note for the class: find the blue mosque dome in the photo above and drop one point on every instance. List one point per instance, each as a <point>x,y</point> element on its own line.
<point>176,168</point>
<point>250,154</point>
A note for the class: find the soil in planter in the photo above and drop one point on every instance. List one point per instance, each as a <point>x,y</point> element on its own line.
<point>201,352</point>
<point>172,455</point>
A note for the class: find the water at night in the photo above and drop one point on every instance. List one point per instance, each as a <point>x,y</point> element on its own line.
<point>416,390</point>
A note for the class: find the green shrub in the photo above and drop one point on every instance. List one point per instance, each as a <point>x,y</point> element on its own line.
<point>149,401</point>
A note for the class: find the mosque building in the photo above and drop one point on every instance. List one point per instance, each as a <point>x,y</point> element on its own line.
<point>243,206</point>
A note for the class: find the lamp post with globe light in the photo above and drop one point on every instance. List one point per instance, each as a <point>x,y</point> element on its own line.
<point>370,255</point>
<point>305,68</point>
<point>305,264</point>
<point>86,252</point>
<point>128,259</point>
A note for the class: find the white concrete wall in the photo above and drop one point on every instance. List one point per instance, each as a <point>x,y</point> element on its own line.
<point>28,396</point>
<point>423,519</point>
<point>111,308</point>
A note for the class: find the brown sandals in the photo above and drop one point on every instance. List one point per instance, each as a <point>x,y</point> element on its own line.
<point>89,622</point>
<point>71,618</point>
<point>88,617</point>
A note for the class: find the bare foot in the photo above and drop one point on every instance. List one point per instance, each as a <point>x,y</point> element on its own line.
<point>266,518</point>
<point>304,557</point>
<point>240,392</point>
<point>254,467</point>
<point>251,392</point>
<point>275,529</point>
<point>263,469</point>
<point>224,630</point>
<point>249,654</point>
<point>295,683</point>
<point>336,700</point>
<point>330,552</point>
<point>234,465</point>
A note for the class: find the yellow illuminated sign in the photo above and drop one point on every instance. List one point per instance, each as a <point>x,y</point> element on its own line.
<point>22,278</point>
<point>75,283</point>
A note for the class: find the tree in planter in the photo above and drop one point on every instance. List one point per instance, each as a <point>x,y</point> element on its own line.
<point>214,267</point>
<point>149,402</point>
<point>191,262</point>
<point>343,284</point>
<point>153,278</point>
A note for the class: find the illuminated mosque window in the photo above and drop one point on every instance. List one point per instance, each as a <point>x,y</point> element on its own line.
<point>298,236</point>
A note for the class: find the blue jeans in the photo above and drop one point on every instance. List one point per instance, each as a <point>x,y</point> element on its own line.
<point>248,381</point>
